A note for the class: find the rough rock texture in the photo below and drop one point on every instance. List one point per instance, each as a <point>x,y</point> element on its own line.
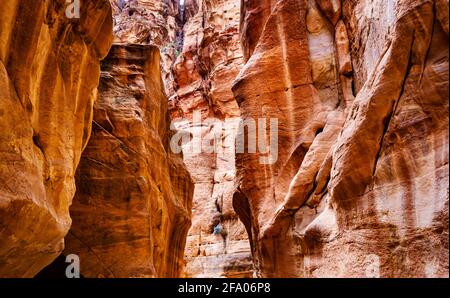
<point>150,22</point>
<point>360,187</point>
<point>217,244</point>
<point>49,71</point>
<point>132,209</point>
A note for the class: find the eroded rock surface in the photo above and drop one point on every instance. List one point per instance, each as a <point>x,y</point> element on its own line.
<point>151,22</point>
<point>217,244</point>
<point>360,89</point>
<point>132,209</point>
<point>359,186</point>
<point>49,72</point>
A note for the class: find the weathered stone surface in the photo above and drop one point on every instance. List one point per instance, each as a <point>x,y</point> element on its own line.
<point>254,14</point>
<point>150,22</point>
<point>360,187</point>
<point>131,212</point>
<point>360,184</point>
<point>217,244</point>
<point>331,9</point>
<point>49,71</point>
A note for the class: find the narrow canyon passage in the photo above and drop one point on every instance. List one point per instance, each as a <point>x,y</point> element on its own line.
<point>203,105</point>
<point>224,138</point>
<point>106,179</point>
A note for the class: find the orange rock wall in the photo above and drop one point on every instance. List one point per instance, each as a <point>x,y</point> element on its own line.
<point>150,22</point>
<point>49,72</point>
<point>360,89</point>
<point>359,187</point>
<point>132,209</point>
<point>217,244</point>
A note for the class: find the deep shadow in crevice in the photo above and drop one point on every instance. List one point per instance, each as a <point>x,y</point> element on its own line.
<point>57,269</point>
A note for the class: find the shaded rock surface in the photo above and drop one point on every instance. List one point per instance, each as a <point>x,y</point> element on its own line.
<point>217,244</point>
<point>132,208</point>
<point>360,89</point>
<point>49,73</point>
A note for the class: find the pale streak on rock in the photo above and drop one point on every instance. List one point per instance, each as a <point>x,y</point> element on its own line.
<point>210,60</point>
<point>378,186</point>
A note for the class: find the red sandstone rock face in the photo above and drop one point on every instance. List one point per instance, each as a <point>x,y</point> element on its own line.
<point>217,244</point>
<point>360,184</point>
<point>132,208</point>
<point>360,187</point>
<point>49,71</point>
<point>150,22</point>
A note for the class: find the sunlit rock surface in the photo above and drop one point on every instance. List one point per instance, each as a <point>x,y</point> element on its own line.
<point>217,244</point>
<point>357,188</point>
<point>360,188</point>
<point>49,72</point>
<point>151,22</point>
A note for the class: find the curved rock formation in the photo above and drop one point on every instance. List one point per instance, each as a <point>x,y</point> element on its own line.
<point>49,72</point>
<point>360,187</point>
<point>132,208</point>
<point>217,244</point>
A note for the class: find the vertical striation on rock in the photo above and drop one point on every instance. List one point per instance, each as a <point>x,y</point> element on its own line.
<point>358,187</point>
<point>360,89</point>
<point>217,244</point>
<point>132,209</point>
<point>49,72</point>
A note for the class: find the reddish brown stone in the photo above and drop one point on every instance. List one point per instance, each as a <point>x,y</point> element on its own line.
<point>132,209</point>
<point>49,72</point>
<point>361,183</point>
<point>217,244</point>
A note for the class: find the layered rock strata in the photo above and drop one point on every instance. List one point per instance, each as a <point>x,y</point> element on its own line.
<point>360,90</point>
<point>49,72</point>
<point>204,107</point>
<point>132,209</point>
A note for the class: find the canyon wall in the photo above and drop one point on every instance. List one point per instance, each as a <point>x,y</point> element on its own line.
<point>151,22</point>
<point>131,211</point>
<point>360,184</point>
<point>132,208</point>
<point>356,186</point>
<point>204,108</point>
<point>49,72</point>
